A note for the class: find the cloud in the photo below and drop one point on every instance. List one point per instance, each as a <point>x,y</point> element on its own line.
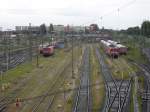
<point>18,12</point>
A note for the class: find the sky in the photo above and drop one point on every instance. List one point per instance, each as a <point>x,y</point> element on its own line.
<point>114,14</point>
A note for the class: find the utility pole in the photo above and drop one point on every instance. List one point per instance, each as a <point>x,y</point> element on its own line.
<point>30,42</point>
<point>6,51</point>
<point>72,58</point>
<point>37,52</point>
<point>9,46</point>
<point>101,21</point>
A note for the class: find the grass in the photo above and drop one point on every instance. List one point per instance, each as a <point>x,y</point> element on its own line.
<point>135,94</point>
<point>39,78</point>
<point>25,68</point>
<point>17,72</point>
<point>134,53</point>
<point>131,100</point>
<point>140,103</point>
<point>141,84</point>
<point>77,65</point>
<point>68,103</point>
<point>98,90</point>
<point>141,81</point>
<point>29,70</point>
<point>134,44</point>
<point>119,67</point>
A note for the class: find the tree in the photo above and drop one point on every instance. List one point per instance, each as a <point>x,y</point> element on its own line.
<point>43,29</point>
<point>145,28</point>
<point>133,30</point>
<point>51,28</point>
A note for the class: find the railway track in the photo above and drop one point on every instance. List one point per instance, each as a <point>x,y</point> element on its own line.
<point>82,98</point>
<point>146,67</point>
<point>124,88</point>
<point>57,83</point>
<point>45,97</point>
<point>146,94</point>
<point>2,104</point>
<point>52,88</point>
<point>117,91</point>
<point>15,58</point>
<point>4,101</point>
<point>120,100</point>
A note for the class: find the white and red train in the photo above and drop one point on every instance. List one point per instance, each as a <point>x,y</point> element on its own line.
<point>110,49</point>
<point>113,48</point>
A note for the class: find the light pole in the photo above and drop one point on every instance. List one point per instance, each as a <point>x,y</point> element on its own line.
<point>30,42</point>
<point>37,53</point>
<point>72,58</point>
<point>6,51</point>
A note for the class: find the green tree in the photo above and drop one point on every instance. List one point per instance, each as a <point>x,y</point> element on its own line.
<point>133,30</point>
<point>145,28</point>
<point>43,29</point>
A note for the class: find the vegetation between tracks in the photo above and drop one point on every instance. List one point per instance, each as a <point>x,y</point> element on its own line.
<point>120,67</point>
<point>26,77</point>
<point>131,99</point>
<point>98,90</point>
<point>64,101</point>
<point>41,78</point>
<point>28,67</point>
<point>135,53</point>
<point>135,45</point>
<point>141,86</point>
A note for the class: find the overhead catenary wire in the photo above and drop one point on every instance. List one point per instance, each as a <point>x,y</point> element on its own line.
<point>116,10</point>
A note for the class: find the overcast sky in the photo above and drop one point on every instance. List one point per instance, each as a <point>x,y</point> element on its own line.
<point>74,12</point>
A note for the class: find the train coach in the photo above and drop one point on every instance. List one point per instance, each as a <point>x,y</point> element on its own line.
<point>113,42</point>
<point>48,51</point>
<point>110,49</point>
<point>121,48</point>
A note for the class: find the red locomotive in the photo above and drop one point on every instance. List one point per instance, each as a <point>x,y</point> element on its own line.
<point>49,50</point>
